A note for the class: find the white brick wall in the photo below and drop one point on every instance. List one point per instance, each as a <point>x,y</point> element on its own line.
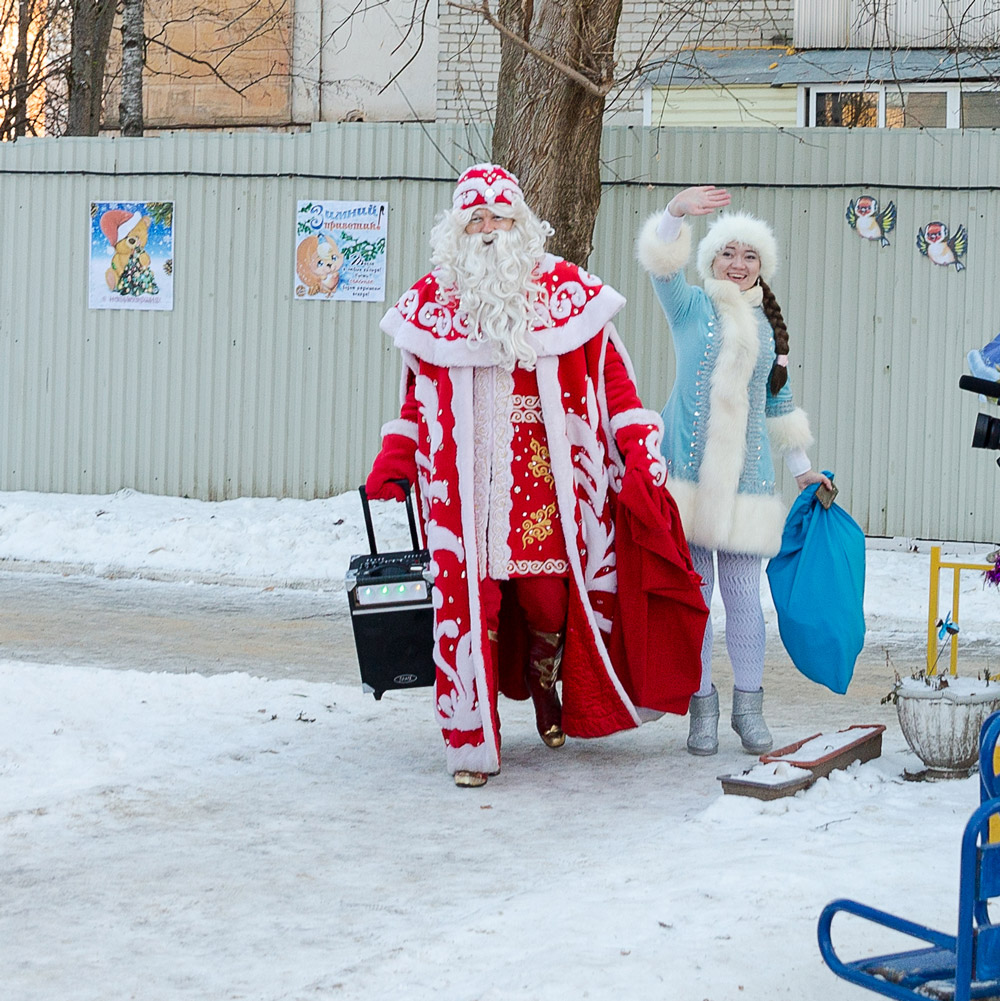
<point>649,30</point>
<point>469,53</point>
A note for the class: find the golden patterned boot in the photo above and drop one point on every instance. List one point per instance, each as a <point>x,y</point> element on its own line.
<point>544,657</point>
<point>470,780</point>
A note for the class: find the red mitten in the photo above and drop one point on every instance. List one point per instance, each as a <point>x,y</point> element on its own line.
<point>639,444</point>
<point>394,462</point>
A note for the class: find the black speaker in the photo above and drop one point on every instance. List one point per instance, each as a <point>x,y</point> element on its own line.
<point>389,595</point>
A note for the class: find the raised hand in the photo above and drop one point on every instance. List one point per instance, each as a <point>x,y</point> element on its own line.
<point>702,199</point>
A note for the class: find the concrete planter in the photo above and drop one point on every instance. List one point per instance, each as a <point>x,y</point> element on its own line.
<point>942,725</point>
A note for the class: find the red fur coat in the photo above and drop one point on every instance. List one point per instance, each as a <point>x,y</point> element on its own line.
<point>630,653</point>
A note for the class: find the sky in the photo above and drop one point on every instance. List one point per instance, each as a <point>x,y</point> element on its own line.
<point>227,836</point>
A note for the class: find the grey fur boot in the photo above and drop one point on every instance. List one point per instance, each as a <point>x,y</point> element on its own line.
<point>703,733</point>
<point>748,721</point>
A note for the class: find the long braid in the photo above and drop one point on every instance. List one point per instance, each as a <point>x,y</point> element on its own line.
<point>779,373</point>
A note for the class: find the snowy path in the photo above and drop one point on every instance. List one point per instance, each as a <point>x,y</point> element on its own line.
<point>167,836</point>
<point>167,626</point>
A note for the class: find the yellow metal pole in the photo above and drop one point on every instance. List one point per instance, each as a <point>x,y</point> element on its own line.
<point>932,608</point>
<point>954,618</point>
<point>937,565</point>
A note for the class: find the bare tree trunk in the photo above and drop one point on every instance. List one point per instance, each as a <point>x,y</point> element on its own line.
<point>21,69</point>
<point>548,124</point>
<point>28,63</point>
<point>89,38</point>
<point>133,37</point>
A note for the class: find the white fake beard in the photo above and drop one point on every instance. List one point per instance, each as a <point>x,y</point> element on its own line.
<point>493,275</point>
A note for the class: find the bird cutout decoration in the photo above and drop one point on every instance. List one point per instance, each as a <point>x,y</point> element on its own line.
<point>864,217</point>
<point>934,242</point>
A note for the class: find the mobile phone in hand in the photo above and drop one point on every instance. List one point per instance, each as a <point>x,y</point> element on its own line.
<point>825,495</point>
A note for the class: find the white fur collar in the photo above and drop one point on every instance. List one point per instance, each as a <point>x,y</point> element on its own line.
<point>729,407</point>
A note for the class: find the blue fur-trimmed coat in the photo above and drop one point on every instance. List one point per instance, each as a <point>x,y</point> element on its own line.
<point>721,420</point>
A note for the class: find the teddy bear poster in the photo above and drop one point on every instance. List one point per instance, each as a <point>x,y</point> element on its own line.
<point>340,251</point>
<point>131,255</point>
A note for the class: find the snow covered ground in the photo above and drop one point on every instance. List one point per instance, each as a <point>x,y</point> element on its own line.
<point>167,836</point>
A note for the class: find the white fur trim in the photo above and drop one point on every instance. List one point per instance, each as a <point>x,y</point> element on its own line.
<point>408,429</point>
<point>739,227</point>
<point>459,353</point>
<point>755,527</point>
<point>659,257</point>
<point>489,751</point>
<point>640,416</point>
<point>615,459</point>
<point>469,758</point>
<point>619,346</point>
<point>729,409</point>
<point>790,431</point>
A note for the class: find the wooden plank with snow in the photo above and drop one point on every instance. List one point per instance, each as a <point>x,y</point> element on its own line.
<point>789,769</point>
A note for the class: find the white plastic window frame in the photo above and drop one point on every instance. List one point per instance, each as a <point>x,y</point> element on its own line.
<point>973,89</point>
<point>878,91</point>
<point>806,99</point>
<point>953,116</point>
<point>952,91</point>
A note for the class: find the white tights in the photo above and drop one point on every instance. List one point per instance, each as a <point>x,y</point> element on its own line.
<point>739,585</point>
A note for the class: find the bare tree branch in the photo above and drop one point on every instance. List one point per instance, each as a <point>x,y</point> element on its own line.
<point>585,83</point>
<point>187,57</point>
<point>420,44</point>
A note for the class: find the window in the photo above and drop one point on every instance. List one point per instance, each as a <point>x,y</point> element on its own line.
<point>981,110</point>
<point>916,109</point>
<point>846,109</point>
<point>900,106</point>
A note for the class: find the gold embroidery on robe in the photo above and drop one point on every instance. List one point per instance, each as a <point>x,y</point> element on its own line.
<point>539,463</point>
<point>539,526</point>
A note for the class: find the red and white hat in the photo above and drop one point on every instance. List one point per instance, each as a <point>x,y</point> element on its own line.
<point>116,224</point>
<point>486,184</point>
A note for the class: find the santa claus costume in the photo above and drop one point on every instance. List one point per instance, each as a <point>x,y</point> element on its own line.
<point>555,544</point>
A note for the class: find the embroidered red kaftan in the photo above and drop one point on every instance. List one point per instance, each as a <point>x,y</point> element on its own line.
<point>510,487</point>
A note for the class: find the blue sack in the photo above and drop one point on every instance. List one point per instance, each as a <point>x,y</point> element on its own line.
<point>818,585</point>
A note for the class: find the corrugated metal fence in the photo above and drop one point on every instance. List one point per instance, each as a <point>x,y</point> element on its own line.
<point>839,24</point>
<point>241,391</point>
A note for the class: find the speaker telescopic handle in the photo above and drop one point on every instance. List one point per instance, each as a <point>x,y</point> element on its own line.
<point>405,484</point>
<point>366,509</point>
<point>370,528</point>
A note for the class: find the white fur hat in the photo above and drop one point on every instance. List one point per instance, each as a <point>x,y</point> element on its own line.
<point>739,227</point>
